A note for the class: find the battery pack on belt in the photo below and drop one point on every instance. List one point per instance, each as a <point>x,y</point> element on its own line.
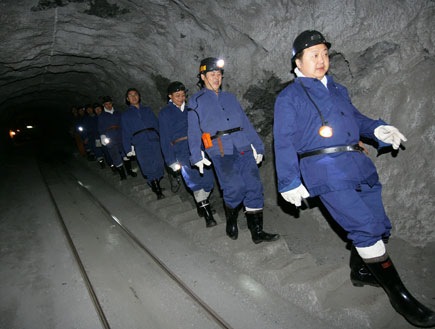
<point>142,130</point>
<point>348,148</point>
<point>220,133</point>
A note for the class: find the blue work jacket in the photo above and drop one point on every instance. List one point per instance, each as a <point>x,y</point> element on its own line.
<point>296,131</point>
<point>210,113</point>
<point>173,125</point>
<point>91,127</point>
<point>134,120</point>
<point>107,124</point>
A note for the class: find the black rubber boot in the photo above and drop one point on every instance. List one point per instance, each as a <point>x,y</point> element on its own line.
<point>91,157</point>
<point>128,168</point>
<point>360,275</point>
<point>155,187</point>
<point>200,210</point>
<point>255,225</point>
<point>403,302</point>
<point>113,168</point>
<point>121,172</point>
<point>205,208</point>
<point>101,163</point>
<point>231,216</point>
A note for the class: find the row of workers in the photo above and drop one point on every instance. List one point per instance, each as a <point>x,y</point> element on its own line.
<point>317,152</point>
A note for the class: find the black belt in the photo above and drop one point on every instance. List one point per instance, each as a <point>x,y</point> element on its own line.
<point>220,133</point>
<point>142,130</point>
<point>335,149</point>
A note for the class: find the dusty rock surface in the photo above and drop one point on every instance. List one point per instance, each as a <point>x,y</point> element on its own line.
<point>59,53</point>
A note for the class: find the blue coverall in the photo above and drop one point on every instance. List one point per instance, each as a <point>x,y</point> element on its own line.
<point>173,125</point>
<point>140,128</point>
<point>110,126</point>
<point>91,129</point>
<point>237,169</point>
<point>346,182</point>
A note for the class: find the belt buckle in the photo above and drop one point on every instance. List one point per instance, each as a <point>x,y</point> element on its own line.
<point>358,148</point>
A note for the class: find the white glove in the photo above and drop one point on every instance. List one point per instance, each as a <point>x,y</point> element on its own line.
<point>296,195</point>
<point>390,135</point>
<point>97,143</point>
<point>175,166</point>
<point>258,157</point>
<point>103,139</point>
<point>132,152</point>
<point>201,163</point>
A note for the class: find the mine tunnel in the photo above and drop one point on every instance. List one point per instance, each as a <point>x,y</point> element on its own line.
<point>81,248</point>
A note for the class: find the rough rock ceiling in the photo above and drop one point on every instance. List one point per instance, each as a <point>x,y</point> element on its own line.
<point>59,53</point>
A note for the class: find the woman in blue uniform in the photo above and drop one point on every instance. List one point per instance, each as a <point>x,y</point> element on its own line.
<point>173,141</point>
<point>140,137</point>
<point>232,144</point>
<point>316,134</point>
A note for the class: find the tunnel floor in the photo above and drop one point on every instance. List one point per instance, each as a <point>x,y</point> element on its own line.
<point>299,281</point>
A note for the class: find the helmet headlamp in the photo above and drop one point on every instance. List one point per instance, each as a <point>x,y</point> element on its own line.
<point>211,64</point>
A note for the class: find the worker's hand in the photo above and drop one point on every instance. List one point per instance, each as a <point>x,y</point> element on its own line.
<point>103,139</point>
<point>390,135</point>
<point>132,152</point>
<point>175,166</point>
<point>296,195</point>
<point>201,163</point>
<point>258,157</point>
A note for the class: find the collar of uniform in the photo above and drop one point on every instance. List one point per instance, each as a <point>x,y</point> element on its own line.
<point>206,90</point>
<point>324,80</point>
<point>135,108</point>
<point>109,111</point>
<point>181,108</point>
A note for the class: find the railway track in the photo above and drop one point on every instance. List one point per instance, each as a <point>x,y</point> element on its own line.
<point>83,198</point>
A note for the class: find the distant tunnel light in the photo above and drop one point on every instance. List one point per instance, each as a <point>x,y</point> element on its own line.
<point>12,133</point>
<point>29,127</point>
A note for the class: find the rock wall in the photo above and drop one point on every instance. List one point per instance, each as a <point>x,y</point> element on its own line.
<point>57,53</point>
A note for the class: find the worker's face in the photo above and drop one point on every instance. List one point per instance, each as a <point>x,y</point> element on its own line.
<point>212,80</point>
<point>89,110</point>
<point>133,97</point>
<point>98,110</point>
<point>108,105</point>
<point>314,62</point>
<point>178,98</point>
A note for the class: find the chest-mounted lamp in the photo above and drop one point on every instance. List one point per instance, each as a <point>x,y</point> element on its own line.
<point>325,130</point>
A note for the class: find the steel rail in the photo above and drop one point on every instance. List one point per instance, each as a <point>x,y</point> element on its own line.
<point>215,316</point>
<point>77,258</point>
